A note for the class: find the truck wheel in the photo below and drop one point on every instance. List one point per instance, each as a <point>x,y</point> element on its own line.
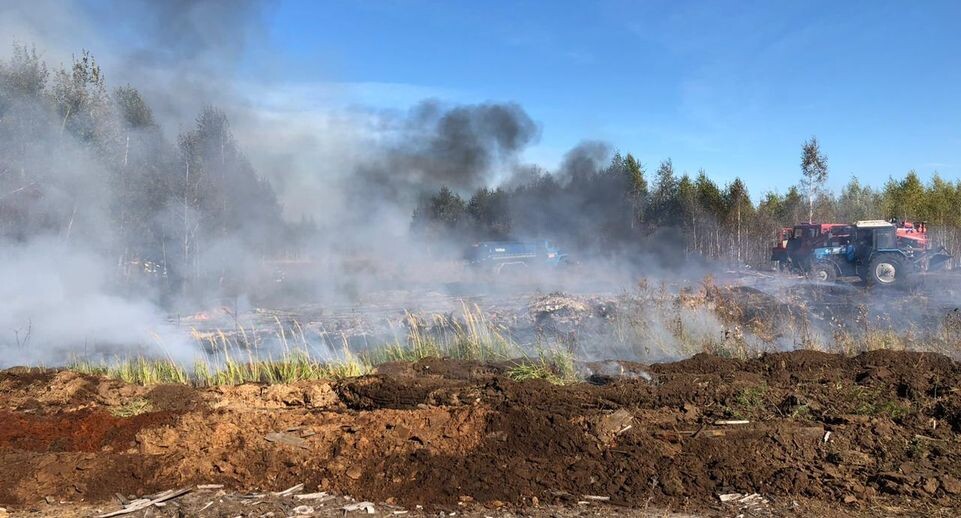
<point>824,272</point>
<point>886,270</point>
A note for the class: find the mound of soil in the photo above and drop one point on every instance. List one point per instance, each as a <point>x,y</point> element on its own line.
<point>881,428</point>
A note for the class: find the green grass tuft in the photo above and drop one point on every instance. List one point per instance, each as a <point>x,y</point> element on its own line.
<point>132,408</point>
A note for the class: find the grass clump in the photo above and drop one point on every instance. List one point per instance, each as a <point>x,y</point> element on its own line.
<point>556,367</point>
<point>472,338</point>
<point>139,371</point>
<point>751,397</point>
<point>749,402</point>
<point>889,408</point>
<point>293,367</point>
<point>131,408</point>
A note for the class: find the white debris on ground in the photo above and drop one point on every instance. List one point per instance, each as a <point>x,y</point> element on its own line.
<point>747,505</point>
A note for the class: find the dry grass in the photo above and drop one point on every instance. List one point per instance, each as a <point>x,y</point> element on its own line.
<point>653,321</point>
<point>131,408</point>
<point>474,338</point>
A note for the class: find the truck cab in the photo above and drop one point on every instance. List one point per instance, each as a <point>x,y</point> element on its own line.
<point>502,255</point>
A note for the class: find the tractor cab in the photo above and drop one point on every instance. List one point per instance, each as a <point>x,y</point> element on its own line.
<point>806,237</point>
<point>874,236</point>
<point>876,255</point>
<point>868,249</point>
<point>877,252</point>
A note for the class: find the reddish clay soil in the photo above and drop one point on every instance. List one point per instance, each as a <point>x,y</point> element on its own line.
<point>825,432</point>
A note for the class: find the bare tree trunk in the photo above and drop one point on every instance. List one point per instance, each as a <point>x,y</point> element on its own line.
<point>73,214</point>
<point>739,233</point>
<point>124,257</point>
<point>186,213</point>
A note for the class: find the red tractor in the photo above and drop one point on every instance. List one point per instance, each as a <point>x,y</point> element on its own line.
<point>794,249</point>
<point>779,252</point>
<point>911,235</point>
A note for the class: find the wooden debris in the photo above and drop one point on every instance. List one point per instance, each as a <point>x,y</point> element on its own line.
<point>203,487</point>
<point>314,496</point>
<point>143,503</point>
<point>289,491</point>
<point>360,506</point>
<point>597,498</point>
<point>752,499</point>
<point>732,422</point>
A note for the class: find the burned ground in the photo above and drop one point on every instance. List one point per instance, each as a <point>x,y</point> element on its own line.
<point>849,433</point>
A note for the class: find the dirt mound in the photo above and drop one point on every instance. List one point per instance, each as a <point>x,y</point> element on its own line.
<point>878,428</point>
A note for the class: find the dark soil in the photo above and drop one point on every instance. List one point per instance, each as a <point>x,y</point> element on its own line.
<point>877,431</point>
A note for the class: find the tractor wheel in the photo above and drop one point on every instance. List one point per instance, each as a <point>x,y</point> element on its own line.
<point>824,272</point>
<point>886,270</point>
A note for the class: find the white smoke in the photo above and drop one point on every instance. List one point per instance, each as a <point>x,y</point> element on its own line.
<point>56,304</point>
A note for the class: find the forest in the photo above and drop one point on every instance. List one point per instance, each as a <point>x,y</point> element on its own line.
<point>87,165</point>
<point>616,209</point>
<point>83,163</point>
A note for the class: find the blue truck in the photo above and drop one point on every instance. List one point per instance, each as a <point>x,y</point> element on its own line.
<point>503,255</point>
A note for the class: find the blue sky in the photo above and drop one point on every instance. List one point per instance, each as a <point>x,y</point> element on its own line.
<point>733,87</point>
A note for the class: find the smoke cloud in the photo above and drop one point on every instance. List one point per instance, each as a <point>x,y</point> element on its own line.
<point>132,206</point>
<point>57,303</point>
<point>461,147</point>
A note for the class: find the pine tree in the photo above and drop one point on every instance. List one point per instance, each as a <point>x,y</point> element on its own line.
<point>638,183</point>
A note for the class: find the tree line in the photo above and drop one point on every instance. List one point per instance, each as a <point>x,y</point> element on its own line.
<point>84,163</point>
<point>615,209</point>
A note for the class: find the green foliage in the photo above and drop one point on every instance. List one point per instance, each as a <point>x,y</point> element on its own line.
<point>25,75</point>
<point>858,202</point>
<point>471,337</point>
<point>636,172</point>
<point>138,371</point>
<point>751,397</point>
<point>554,366</point>
<point>69,145</point>
<point>131,408</point>
<point>489,211</point>
<point>814,172</point>
<point>664,205</point>
<point>133,109</point>
<point>442,215</point>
